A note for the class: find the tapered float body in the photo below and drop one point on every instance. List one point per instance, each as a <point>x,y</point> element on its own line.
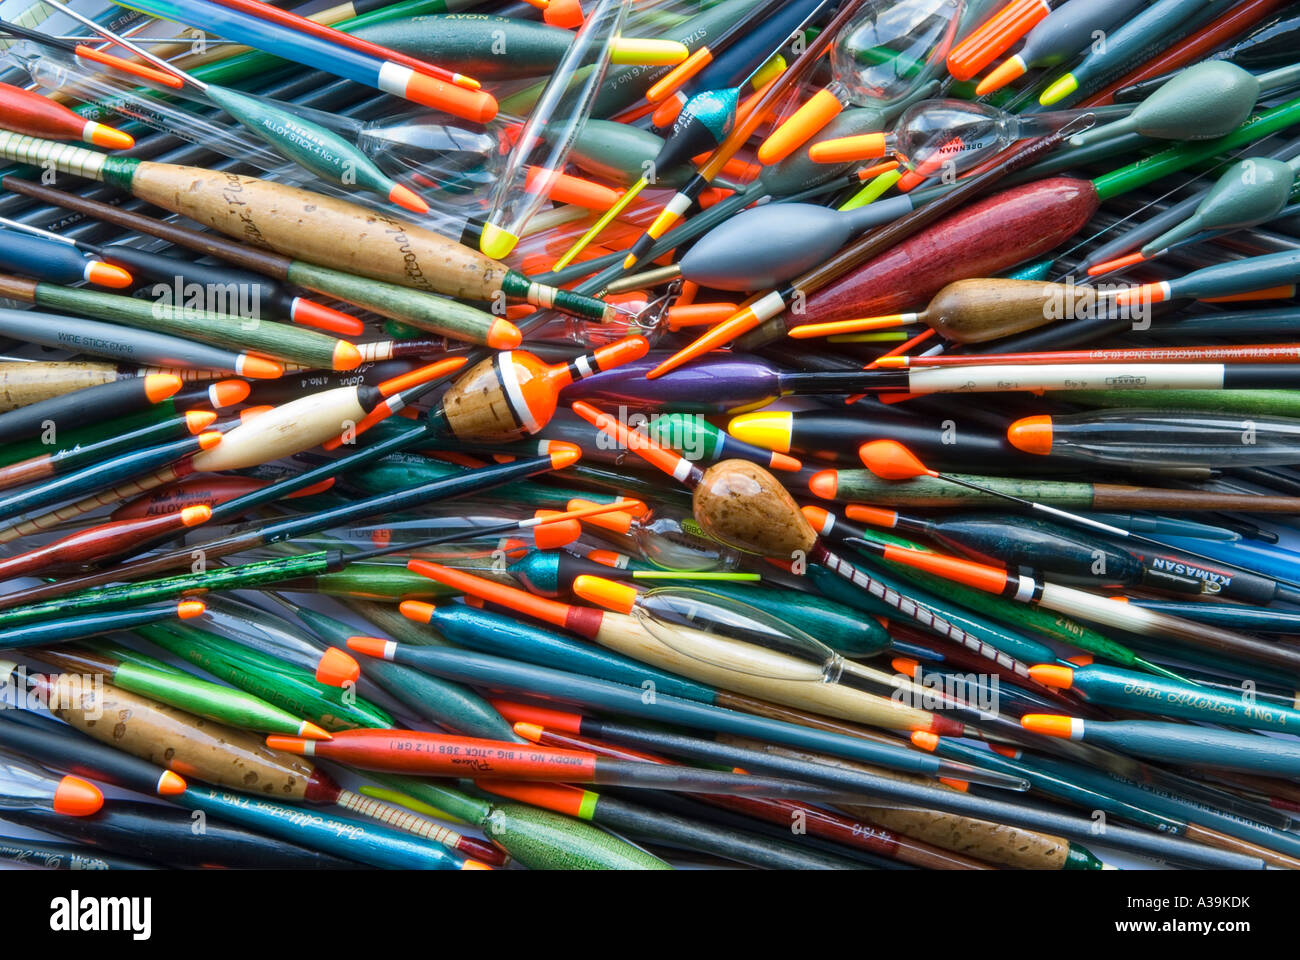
<point>302,224</point>
<point>981,240</point>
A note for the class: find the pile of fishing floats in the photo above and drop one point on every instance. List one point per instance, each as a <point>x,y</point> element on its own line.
<point>589,435</point>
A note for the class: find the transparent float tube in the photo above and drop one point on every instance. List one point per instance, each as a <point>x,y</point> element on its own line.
<point>885,54</point>
<point>555,121</point>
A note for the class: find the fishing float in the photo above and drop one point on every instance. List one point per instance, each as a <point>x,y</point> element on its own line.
<point>700,126</point>
<point>40,737</point>
<point>25,786</point>
<point>419,86</point>
<point>1163,19</point>
<point>1175,742</point>
<point>1154,438</point>
<point>896,235</point>
<point>147,347</point>
<point>887,458</point>
<point>1062,599</point>
<point>716,647</point>
<point>100,542</point>
<point>1066,29</point>
<point>536,49</point>
<point>90,405</point>
<point>308,144</point>
<point>732,844</point>
<point>55,259</point>
<point>378,247</point>
<point>414,307</point>
<point>30,113</point>
<point>164,836</point>
<point>81,624</point>
<point>431,754</point>
<point>771,525</point>
<point>91,54</point>
<point>229,757</point>
<point>250,335</point>
<point>882,54</point>
<point>208,700</point>
<point>533,835</point>
<point>1114,687</point>
<point>741,132</point>
<point>1048,211</point>
<point>476,668</point>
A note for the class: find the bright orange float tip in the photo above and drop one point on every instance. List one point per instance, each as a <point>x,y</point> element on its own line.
<point>543,717</point>
<point>666,460</point>
<point>128,66</point>
<point>1005,72</point>
<point>1049,724</point>
<point>105,136</point>
<point>890,460</point>
<point>1053,675</point>
<point>785,463</point>
<point>1119,263</point>
<point>369,646</point>
<point>876,516</point>
<point>617,521</point>
<point>1032,435</point>
<point>259,368</point>
<point>159,386</point>
<point>196,421</point>
<point>802,126</point>
<point>309,731</point>
<point>407,199</point>
<point>825,483</point>
<point>905,665</point>
<point>227,393</point>
<point>817,517</point>
<point>866,146</point>
<point>699,314</point>
<point>564,455</point>
<point>346,356</point>
<point>107,275</point>
<point>416,610</point>
<point>294,745</point>
<point>564,13</point>
<point>209,439</point>
<point>531,732</point>
<point>193,516</point>
<point>336,668</point>
<point>189,609</point>
<point>430,371</point>
<point>308,313</point>
<point>925,740</point>
<point>475,105</point>
<point>737,325</point>
<point>74,797</point>
<point>673,80</point>
<point>560,533</point>
<point>504,335</point>
<point>170,784</point>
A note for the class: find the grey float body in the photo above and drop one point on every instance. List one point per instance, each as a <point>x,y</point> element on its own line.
<point>1207,100</point>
